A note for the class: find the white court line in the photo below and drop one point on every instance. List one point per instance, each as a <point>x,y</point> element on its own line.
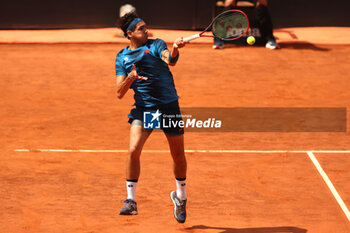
<point>309,152</point>
<point>329,184</point>
<point>188,151</point>
<point>67,150</point>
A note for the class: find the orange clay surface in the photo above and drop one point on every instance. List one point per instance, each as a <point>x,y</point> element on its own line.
<point>62,96</point>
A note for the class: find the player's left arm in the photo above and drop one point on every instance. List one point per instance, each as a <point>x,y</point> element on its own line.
<point>170,57</point>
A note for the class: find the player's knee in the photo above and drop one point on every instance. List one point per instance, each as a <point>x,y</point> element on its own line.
<point>134,152</point>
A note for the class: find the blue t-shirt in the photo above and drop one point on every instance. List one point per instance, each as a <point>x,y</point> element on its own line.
<point>159,88</point>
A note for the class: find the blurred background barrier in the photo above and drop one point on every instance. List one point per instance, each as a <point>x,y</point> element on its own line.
<point>180,14</point>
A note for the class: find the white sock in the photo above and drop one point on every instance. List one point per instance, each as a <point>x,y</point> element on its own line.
<point>181,189</point>
<point>131,189</point>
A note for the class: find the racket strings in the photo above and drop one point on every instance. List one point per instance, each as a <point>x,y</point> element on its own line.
<point>230,25</point>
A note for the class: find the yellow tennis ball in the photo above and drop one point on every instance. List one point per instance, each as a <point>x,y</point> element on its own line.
<point>251,40</point>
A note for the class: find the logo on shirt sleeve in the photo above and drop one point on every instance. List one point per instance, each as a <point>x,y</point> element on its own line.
<point>126,59</point>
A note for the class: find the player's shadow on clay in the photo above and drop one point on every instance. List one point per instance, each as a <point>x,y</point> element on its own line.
<point>302,45</point>
<point>285,229</point>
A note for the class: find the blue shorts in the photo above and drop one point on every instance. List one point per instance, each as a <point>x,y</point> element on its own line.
<point>171,109</point>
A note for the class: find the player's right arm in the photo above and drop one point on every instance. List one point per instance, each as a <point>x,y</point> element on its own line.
<point>174,53</point>
<point>124,82</point>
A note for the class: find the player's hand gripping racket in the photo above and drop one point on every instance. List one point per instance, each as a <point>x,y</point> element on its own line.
<point>229,25</point>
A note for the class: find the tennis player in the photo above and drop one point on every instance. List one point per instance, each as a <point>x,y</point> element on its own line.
<point>144,67</point>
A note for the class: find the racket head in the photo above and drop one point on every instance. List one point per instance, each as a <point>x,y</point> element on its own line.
<point>230,25</point>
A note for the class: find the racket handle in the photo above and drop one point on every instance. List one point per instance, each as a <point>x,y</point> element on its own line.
<point>189,38</point>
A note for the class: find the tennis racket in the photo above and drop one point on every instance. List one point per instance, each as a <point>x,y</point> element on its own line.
<point>229,25</point>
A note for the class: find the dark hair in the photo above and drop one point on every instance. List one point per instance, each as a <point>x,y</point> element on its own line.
<point>126,20</point>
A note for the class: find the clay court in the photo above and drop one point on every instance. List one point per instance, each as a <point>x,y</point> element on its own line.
<point>64,140</point>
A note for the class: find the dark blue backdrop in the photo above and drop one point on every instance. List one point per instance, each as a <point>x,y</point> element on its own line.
<point>180,14</point>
